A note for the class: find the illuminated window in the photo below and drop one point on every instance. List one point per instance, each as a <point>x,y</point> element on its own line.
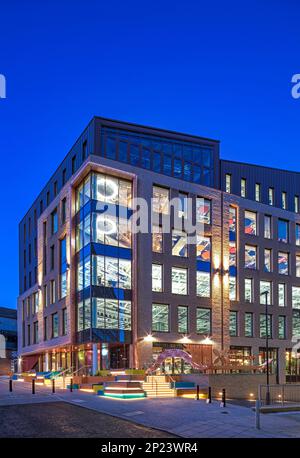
<point>160,318</point>
<point>83,193</point>
<point>179,280</point>
<point>265,292</point>
<point>248,324</point>
<point>203,321</point>
<point>257,192</point>
<point>248,290</point>
<point>182,319</point>
<point>84,273</point>
<point>63,267</point>
<point>283,263</point>
<point>271,196</point>
<point>296,297</point>
<point>157,239</point>
<point>250,223</point>
<point>296,204</point>
<point>228,182</point>
<point>281,294</point>
<point>203,249</point>
<point>250,257</point>
<point>203,284</point>
<point>203,210</point>
<point>157,277</point>
<point>83,233</point>
<point>52,292</point>
<point>160,201</point>
<point>297,234</point>
<point>183,205</point>
<point>54,222</point>
<point>283,200</point>
<point>111,314</point>
<point>296,324</point>
<point>111,272</point>
<point>233,324</point>
<point>263,325</point>
<point>267,227</point>
<point>179,243</point>
<point>232,288</point>
<point>283,231</point>
<point>111,190</point>
<point>54,325</point>
<point>267,260</point>
<point>243,187</point>
<point>298,265</point>
<point>282,327</point>
<point>110,230</point>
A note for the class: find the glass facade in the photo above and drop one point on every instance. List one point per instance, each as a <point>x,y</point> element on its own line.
<point>179,280</point>
<point>203,321</point>
<point>160,317</point>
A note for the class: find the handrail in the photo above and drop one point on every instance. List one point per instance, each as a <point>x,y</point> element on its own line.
<point>83,367</point>
<point>62,372</point>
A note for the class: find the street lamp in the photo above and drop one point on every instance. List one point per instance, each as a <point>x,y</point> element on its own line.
<point>266,294</point>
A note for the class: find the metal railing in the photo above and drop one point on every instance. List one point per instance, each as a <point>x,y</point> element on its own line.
<point>84,369</point>
<point>62,373</point>
<point>287,394</point>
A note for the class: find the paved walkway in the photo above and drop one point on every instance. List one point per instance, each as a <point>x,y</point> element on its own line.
<point>182,417</point>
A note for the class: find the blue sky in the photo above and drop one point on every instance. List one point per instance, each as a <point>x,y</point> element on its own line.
<point>218,69</point>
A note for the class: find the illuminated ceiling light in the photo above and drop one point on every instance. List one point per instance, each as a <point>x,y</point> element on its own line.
<point>207,341</point>
<point>185,339</point>
<point>107,189</point>
<point>149,338</point>
<point>106,225</point>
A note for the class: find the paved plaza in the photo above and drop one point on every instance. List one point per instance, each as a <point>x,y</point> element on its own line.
<point>175,416</point>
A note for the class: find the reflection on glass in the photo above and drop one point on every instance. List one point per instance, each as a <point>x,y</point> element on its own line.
<point>250,257</point>
<point>179,243</point>
<point>203,284</point>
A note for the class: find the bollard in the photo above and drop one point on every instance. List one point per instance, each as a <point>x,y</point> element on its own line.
<point>197,392</point>
<point>10,385</point>
<point>209,395</point>
<point>33,386</point>
<point>224,397</point>
<point>53,385</point>
<point>71,385</point>
<point>257,414</point>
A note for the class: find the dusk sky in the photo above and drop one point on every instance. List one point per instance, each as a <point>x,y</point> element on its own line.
<point>217,69</point>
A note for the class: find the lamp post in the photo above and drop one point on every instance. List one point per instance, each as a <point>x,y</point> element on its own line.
<point>266,294</point>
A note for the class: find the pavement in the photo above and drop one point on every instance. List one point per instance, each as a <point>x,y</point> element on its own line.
<point>181,417</point>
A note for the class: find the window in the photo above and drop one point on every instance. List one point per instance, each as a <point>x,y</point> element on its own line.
<point>160,318</point>
<point>54,325</point>
<point>298,265</point>
<point>296,297</point>
<point>179,280</point>
<point>52,257</point>
<point>157,277</point>
<point>35,332</point>
<point>179,243</point>
<point>157,239</point>
<point>281,327</point>
<point>83,192</point>
<point>182,319</point>
<point>281,294</point>
<point>160,201</point>
<point>248,324</point>
<point>203,210</point>
<point>250,257</point>
<point>45,296</point>
<point>263,326</point>
<point>203,321</point>
<point>228,182</point>
<point>63,210</point>
<point>106,314</point>
<point>248,290</point>
<point>283,200</point>
<point>296,324</point>
<point>296,204</point>
<point>250,223</point>
<point>45,328</point>
<point>233,324</point>
<point>283,231</point>
<point>35,302</point>
<point>298,234</point>
<point>28,335</point>
<point>48,198</point>
<point>203,284</point>
<point>54,222</point>
<point>106,271</point>
<point>283,263</point>
<point>55,188</point>
<point>183,205</point>
<point>257,192</point>
<point>64,321</point>
<point>73,165</point>
<point>265,292</point>
<point>232,288</point>
<point>271,196</point>
<point>267,227</point>
<point>63,267</point>
<point>243,187</point>
<point>84,150</point>
<point>267,260</point>
<point>64,175</point>
<point>52,292</point>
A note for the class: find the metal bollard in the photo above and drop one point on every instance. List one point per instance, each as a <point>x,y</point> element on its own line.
<point>33,386</point>
<point>257,414</point>
<point>10,385</point>
<point>224,397</point>
<point>197,392</point>
<point>209,395</point>
<point>71,385</point>
<point>53,385</point>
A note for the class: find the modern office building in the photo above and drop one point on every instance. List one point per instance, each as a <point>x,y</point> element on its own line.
<point>95,293</point>
<point>8,340</point>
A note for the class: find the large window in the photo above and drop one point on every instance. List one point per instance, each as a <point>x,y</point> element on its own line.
<point>157,239</point>
<point>110,230</point>
<point>283,263</point>
<point>248,290</point>
<point>283,231</point>
<point>83,233</point>
<point>111,272</point>
<point>203,284</point>
<point>84,273</point>
<point>263,326</point>
<point>267,260</point>
<point>157,277</point>
<point>248,324</point>
<point>250,257</point>
<point>250,223</point>
<point>265,292</point>
<point>203,322</point>
<point>160,318</point>
<point>111,190</point>
<point>83,193</point>
<point>160,201</point>
<point>179,280</point>
<point>182,319</point>
<point>111,314</point>
<point>281,294</point>
<point>233,324</point>
<point>296,297</point>
<point>203,210</point>
<point>179,243</point>
<point>267,227</point>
